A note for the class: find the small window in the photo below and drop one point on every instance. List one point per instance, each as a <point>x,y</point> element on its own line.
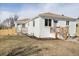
<point>67,22</point>
<point>46,22</point>
<point>17,24</point>
<point>55,21</point>
<point>33,23</point>
<point>50,22</point>
<point>23,25</point>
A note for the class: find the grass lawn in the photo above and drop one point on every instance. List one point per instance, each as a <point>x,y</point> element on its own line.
<point>25,46</point>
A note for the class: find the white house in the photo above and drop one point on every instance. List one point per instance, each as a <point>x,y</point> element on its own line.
<point>50,25</point>
<point>21,26</point>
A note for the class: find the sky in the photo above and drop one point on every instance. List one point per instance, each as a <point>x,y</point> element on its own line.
<point>30,10</point>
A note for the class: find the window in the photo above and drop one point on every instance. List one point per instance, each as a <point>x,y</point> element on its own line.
<point>76,25</point>
<point>55,21</point>
<point>48,22</point>
<point>33,23</point>
<point>23,25</point>
<point>67,22</point>
<point>17,24</point>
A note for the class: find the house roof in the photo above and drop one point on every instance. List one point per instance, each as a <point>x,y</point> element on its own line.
<point>22,21</point>
<point>56,16</point>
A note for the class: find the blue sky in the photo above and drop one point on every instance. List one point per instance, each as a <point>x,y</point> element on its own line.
<point>24,10</point>
<point>15,7</point>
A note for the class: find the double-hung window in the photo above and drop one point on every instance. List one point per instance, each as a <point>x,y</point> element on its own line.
<point>48,22</point>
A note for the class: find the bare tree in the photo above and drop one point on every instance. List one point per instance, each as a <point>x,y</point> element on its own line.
<point>9,22</point>
<point>15,17</point>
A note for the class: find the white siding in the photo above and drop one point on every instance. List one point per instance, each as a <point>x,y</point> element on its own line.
<point>25,29</point>
<point>26,25</point>
<point>30,28</point>
<point>45,30</point>
<point>34,30</point>
<point>15,24</point>
<point>19,28</point>
<point>42,31</point>
<point>37,27</point>
<point>61,23</point>
<point>72,28</point>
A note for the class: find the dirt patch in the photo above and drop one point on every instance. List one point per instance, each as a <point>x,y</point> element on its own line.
<point>24,46</point>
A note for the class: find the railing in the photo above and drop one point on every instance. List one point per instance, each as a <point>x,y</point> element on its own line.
<point>61,32</point>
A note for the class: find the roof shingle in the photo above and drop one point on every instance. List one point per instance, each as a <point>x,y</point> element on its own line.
<point>56,16</point>
<point>22,21</point>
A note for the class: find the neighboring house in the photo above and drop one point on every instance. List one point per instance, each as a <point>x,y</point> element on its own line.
<point>21,26</point>
<point>50,25</point>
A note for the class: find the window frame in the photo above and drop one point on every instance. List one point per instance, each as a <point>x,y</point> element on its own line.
<point>23,25</point>
<point>55,21</point>
<point>48,22</point>
<point>67,22</point>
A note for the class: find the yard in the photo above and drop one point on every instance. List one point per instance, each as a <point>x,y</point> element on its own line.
<point>25,46</point>
<point>8,31</point>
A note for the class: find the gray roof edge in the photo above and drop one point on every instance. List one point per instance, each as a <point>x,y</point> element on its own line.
<point>70,19</point>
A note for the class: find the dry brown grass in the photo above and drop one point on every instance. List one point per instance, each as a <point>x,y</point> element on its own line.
<point>9,31</point>
<point>23,45</point>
